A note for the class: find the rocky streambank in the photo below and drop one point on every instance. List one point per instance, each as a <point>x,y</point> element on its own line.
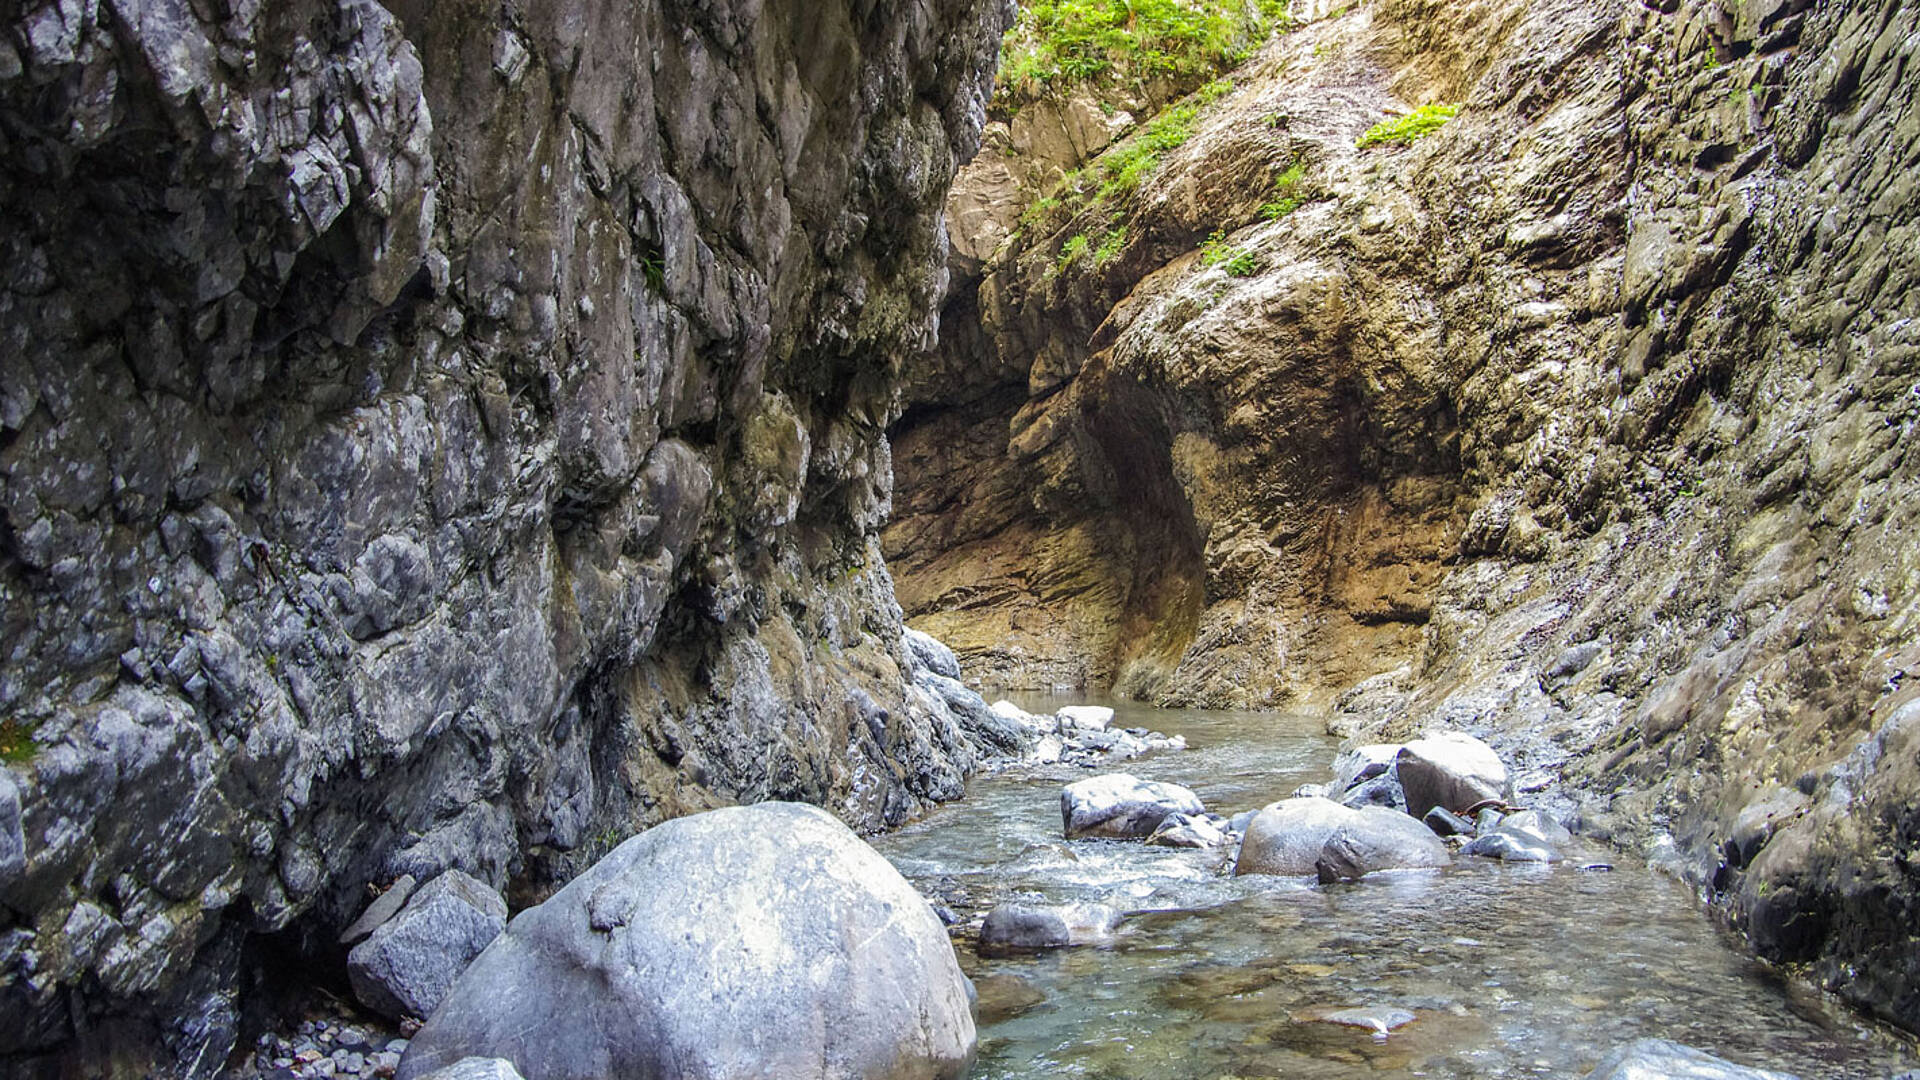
<point>1540,370</point>
<point>438,439</point>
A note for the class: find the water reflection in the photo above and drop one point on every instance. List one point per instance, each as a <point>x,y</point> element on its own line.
<point>1508,970</point>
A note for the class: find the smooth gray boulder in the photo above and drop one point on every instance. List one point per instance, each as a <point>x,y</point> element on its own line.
<point>1122,806</point>
<point>1286,837</point>
<point>1450,769</point>
<point>1300,836</point>
<point>475,1068</point>
<point>1379,839</point>
<point>754,941</point>
<point>1661,1059</point>
<point>929,653</point>
<point>407,963</point>
<point>1020,927</point>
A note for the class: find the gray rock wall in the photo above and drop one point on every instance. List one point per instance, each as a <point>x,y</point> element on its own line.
<point>438,435</point>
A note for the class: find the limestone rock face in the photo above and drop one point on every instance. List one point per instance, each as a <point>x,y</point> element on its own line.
<point>1583,421</point>
<point>438,438</point>
<point>744,942</point>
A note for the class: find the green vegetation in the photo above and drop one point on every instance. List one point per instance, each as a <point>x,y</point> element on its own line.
<point>17,746</point>
<point>1081,246</point>
<point>1059,43</point>
<point>653,270</point>
<point>1236,261</point>
<point>1404,129</point>
<point>1071,251</point>
<point>1121,171</point>
<point>1289,193</point>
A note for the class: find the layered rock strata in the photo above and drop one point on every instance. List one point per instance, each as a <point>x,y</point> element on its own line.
<point>1582,422</point>
<point>438,437</point>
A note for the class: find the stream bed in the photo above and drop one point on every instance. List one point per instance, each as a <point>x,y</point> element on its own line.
<point>1510,970</point>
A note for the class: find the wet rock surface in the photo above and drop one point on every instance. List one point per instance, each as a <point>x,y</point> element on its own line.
<point>438,440</point>
<point>1121,806</point>
<point>1661,1059</point>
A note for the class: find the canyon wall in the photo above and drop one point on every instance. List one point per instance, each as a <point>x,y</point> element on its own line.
<point>1583,422</point>
<point>438,435</point>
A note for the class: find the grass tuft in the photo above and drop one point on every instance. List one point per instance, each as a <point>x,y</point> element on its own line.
<point>1419,123</point>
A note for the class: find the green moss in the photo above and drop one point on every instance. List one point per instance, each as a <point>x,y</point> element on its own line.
<point>17,745</point>
<point>1421,122</point>
<point>1055,44</point>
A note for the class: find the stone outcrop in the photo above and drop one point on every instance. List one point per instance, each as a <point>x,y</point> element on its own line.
<point>438,437</point>
<point>1582,423</point>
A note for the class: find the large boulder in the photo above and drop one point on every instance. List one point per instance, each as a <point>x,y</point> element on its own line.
<point>1321,837</point>
<point>1122,806</point>
<point>1659,1059</point>
<point>1450,769</point>
<point>406,965</point>
<point>1286,837</point>
<point>1379,839</point>
<point>753,941</point>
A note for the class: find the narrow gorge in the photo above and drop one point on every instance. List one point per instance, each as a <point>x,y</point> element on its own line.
<point>466,444</point>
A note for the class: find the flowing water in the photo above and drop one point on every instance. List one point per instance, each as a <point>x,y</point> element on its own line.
<point>1510,970</point>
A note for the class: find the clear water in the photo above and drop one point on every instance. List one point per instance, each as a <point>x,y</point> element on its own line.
<point>1510,971</point>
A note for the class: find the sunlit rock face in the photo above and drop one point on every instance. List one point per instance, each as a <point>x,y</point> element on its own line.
<point>1581,422</point>
<point>438,436</point>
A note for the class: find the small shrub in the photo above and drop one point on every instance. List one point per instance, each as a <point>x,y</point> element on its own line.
<point>17,746</point>
<point>1071,251</point>
<point>1058,43</point>
<point>1038,211</point>
<point>1421,122</point>
<point>1289,193</point>
<point>1110,246</point>
<point>1236,261</point>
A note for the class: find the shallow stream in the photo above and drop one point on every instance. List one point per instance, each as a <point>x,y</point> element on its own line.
<point>1511,970</point>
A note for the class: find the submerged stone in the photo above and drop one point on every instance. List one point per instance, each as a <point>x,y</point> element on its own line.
<point>1661,1059</point>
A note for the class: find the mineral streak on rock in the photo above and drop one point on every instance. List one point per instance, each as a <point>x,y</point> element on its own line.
<point>438,436</point>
